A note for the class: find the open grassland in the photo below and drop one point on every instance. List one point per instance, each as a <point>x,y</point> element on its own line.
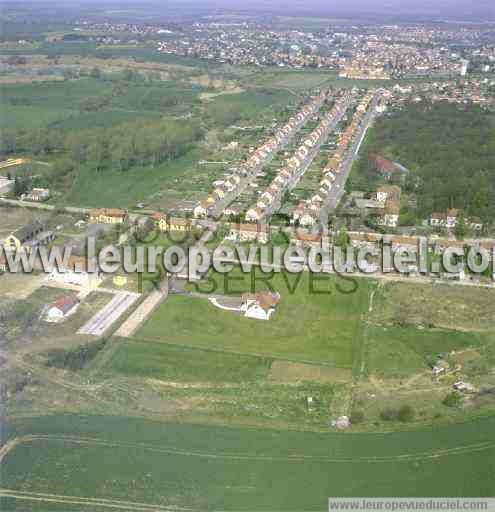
<point>204,468</point>
<point>412,324</point>
<point>91,50</point>
<point>436,305</point>
<point>172,363</point>
<point>63,104</point>
<point>319,327</point>
<point>153,184</point>
<point>396,350</point>
<point>295,81</point>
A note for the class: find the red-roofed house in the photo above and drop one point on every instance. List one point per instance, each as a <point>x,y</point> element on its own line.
<point>62,308</point>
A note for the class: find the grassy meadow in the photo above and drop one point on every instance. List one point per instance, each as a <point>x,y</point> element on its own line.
<point>322,328</point>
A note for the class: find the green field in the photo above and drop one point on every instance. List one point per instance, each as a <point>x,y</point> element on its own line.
<point>115,188</point>
<point>157,360</point>
<point>322,327</point>
<point>402,351</point>
<point>61,104</point>
<point>82,49</point>
<point>212,468</point>
<point>334,329</point>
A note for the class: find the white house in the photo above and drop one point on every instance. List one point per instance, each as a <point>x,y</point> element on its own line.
<point>259,306</point>
<point>37,195</point>
<point>201,209</point>
<point>62,309</point>
<point>254,214</point>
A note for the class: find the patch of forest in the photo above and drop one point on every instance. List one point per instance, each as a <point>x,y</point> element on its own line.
<point>449,150</point>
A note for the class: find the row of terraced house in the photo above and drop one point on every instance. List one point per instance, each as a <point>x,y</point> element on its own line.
<point>295,166</point>
<point>259,158</point>
<point>308,211</point>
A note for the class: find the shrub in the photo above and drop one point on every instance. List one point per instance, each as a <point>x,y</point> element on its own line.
<point>453,399</point>
<point>74,359</point>
<point>405,414</point>
<point>389,414</point>
<point>357,417</point>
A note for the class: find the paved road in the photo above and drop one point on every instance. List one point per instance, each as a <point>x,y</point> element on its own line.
<point>220,206</point>
<point>109,314</point>
<point>338,187</point>
<point>145,309</point>
<point>276,205</point>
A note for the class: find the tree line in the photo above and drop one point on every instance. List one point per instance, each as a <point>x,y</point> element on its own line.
<point>126,145</point>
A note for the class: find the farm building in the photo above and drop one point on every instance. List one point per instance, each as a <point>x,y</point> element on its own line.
<point>62,309</point>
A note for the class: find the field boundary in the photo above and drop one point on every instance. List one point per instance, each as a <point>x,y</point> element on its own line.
<point>144,339</point>
<point>168,450</point>
<point>94,502</point>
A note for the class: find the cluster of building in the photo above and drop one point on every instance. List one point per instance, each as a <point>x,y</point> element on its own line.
<point>308,211</point>
<point>251,44</point>
<point>288,176</point>
<point>37,195</point>
<point>259,158</point>
<point>450,218</point>
<point>363,52</point>
<point>380,59</point>
<point>472,90</point>
<point>373,52</point>
<point>411,243</point>
<point>28,236</point>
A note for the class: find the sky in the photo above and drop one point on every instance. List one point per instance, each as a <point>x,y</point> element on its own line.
<point>481,10</point>
<point>424,10</point>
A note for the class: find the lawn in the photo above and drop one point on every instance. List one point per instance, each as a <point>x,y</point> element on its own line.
<point>322,327</point>
<point>125,189</point>
<point>400,351</point>
<point>241,469</point>
<point>170,363</point>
